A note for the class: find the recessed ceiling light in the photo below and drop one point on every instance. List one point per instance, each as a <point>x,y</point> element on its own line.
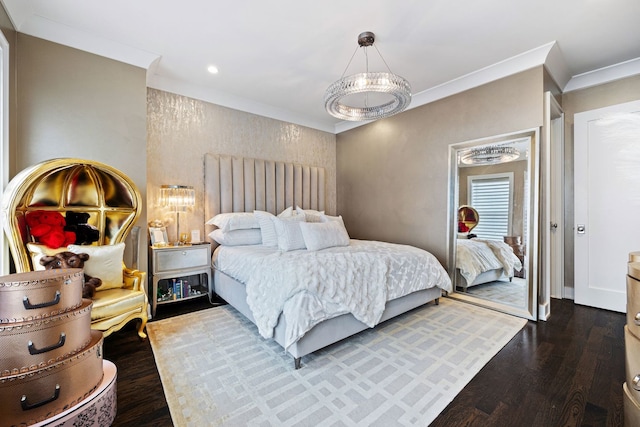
<point>212,69</point>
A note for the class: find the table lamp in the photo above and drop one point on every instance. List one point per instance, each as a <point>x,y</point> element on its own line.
<point>178,198</point>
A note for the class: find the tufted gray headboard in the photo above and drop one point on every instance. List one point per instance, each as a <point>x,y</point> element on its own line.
<point>239,184</point>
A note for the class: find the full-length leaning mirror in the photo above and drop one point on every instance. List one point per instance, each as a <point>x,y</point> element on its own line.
<point>493,205</point>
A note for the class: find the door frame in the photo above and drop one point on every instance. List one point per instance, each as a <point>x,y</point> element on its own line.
<point>552,207</point>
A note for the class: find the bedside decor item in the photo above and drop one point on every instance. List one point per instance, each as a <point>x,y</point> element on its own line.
<point>178,198</point>
<point>368,95</point>
<point>158,236</point>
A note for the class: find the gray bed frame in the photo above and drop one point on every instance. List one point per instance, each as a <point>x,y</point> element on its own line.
<point>484,277</point>
<point>237,184</point>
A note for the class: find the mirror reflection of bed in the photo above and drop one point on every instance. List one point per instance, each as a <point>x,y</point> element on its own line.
<point>486,268</point>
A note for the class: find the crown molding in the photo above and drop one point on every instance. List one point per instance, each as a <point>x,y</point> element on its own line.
<point>604,75</point>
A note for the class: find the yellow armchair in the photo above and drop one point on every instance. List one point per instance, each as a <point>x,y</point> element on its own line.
<point>113,203</point>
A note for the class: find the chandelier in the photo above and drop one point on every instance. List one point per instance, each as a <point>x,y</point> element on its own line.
<point>367,96</point>
<point>489,155</point>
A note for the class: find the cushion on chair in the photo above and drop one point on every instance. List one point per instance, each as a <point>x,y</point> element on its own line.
<point>105,262</point>
<point>37,251</point>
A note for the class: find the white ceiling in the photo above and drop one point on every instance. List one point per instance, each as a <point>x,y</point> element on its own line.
<point>276,58</point>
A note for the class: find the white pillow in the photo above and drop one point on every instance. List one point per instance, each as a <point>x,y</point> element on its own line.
<point>105,262</point>
<point>267,228</point>
<point>250,236</point>
<point>288,212</point>
<point>327,218</point>
<point>289,234</point>
<point>311,215</point>
<point>37,251</point>
<point>321,235</point>
<point>234,221</point>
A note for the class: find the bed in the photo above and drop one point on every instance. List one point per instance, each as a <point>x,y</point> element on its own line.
<point>481,261</point>
<point>243,185</point>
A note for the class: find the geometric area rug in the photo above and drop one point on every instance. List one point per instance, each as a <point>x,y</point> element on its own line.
<point>216,369</point>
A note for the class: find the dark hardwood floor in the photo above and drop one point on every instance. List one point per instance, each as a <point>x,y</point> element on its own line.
<point>567,371</point>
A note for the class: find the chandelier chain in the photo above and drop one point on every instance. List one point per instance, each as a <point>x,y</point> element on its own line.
<point>382,57</point>
<point>345,70</point>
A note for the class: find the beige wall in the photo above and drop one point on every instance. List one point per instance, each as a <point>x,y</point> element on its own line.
<point>616,92</point>
<point>393,174</point>
<point>181,130</point>
<point>76,104</point>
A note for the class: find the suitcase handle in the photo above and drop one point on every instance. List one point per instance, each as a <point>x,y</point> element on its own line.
<point>29,306</point>
<point>26,405</point>
<point>33,350</point>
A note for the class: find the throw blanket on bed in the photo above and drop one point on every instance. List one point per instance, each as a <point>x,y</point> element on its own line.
<point>312,286</point>
<point>475,256</point>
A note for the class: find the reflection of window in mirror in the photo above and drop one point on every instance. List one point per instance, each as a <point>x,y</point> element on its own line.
<point>491,196</point>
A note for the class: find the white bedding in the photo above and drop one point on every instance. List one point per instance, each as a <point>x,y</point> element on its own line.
<point>312,286</point>
<point>475,256</point>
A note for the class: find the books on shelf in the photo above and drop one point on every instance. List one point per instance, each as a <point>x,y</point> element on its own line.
<point>177,289</point>
<point>180,289</point>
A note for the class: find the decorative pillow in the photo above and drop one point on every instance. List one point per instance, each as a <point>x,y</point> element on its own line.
<point>327,218</point>
<point>267,228</point>
<point>37,251</point>
<point>289,234</point>
<point>311,215</point>
<point>234,221</point>
<point>321,235</point>
<point>105,262</point>
<point>286,213</point>
<point>250,236</point>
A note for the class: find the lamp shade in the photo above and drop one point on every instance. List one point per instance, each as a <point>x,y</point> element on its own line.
<point>177,197</point>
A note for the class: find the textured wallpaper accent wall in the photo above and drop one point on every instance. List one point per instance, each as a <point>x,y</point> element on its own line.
<point>180,130</point>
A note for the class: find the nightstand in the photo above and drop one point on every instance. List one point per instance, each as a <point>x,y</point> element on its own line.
<point>174,266</point>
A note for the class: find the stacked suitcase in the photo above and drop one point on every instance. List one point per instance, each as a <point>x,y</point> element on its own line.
<point>631,388</point>
<point>50,358</point>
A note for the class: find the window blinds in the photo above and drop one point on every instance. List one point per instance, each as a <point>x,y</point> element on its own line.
<point>491,197</point>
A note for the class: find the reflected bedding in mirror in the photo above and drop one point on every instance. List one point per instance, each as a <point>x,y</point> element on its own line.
<point>477,256</point>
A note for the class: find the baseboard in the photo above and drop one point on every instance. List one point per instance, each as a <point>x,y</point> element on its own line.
<point>544,311</point>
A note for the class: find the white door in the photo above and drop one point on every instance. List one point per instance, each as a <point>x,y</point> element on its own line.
<point>607,202</point>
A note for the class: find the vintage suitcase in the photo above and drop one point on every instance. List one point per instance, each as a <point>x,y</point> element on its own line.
<point>39,294</point>
<point>29,398</point>
<point>27,346</point>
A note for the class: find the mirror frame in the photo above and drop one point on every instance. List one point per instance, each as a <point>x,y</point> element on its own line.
<point>530,311</point>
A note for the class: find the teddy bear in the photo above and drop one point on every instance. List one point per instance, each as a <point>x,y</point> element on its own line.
<point>47,227</point>
<point>76,222</point>
<point>71,260</point>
